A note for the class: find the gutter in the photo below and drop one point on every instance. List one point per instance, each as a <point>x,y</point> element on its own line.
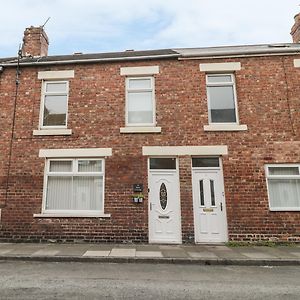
<point>238,55</point>
<point>92,60</point>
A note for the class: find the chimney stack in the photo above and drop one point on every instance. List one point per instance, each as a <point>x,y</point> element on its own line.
<point>295,32</point>
<point>35,42</point>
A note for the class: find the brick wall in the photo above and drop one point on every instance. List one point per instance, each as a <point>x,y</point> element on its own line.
<point>268,102</point>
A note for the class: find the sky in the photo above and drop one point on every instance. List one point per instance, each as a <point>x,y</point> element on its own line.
<point>91,26</point>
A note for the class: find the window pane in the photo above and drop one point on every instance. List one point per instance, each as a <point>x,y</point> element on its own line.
<point>60,166</point>
<point>163,163</point>
<point>222,106</point>
<point>212,193</point>
<point>55,110</point>
<point>140,83</point>
<point>205,162</point>
<point>284,192</point>
<point>140,107</point>
<point>88,193</point>
<point>221,78</point>
<point>56,87</point>
<point>283,170</point>
<point>59,193</point>
<point>89,166</point>
<point>201,193</point>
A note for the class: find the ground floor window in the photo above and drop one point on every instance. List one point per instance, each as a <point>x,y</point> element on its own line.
<point>283,186</point>
<point>74,185</point>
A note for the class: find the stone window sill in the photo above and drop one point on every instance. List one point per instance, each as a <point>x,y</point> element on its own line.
<point>225,127</point>
<point>140,130</point>
<point>52,132</point>
<point>65,215</point>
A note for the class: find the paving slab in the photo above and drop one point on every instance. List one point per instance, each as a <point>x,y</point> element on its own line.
<point>5,251</point>
<point>202,254</point>
<point>148,254</point>
<point>121,252</point>
<point>174,253</point>
<point>258,255</point>
<point>97,253</point>
<point>45,252</point>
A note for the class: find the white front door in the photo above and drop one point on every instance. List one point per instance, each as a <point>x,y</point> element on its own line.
<point>164,201</point>
<point>209,206</point>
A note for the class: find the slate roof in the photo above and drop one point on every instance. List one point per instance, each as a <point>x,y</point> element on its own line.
<point>110,56</point>
<point>203,52</point>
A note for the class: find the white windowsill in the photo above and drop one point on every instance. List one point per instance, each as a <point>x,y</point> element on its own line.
<point>66,215</point>
<point>225,127</point>
<point>52,132</point>
<point>140,129</point>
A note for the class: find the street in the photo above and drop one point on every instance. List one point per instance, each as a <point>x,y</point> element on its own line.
<point>68,280</point>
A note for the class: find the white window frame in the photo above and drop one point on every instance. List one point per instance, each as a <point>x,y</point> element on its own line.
<point>43,96</point>
<point>270,177</point>
<point>128,90</point>
<point>212,84</point>
<point>75,172</point>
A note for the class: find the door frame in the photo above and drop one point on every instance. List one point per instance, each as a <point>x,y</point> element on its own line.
<point>150,240</point>
<point>220,169</point>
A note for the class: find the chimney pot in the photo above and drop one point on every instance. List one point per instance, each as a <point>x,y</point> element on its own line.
<point>295,32</point>
<point>35,42</point>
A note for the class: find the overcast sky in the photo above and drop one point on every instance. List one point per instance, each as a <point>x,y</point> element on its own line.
<point>115,25</point>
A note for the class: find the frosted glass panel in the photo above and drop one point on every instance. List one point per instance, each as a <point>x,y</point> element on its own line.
<point>88,193</point>
<point>89,166</point>
<point>223,78</point>
<point>283,170</point>
<point>56,87</point>
<point>59,193</point>
<point>60,166</point>
<point>140,107</point>
<point>55,110</point>
<point>284,192</point>
<point>140,83</point>
<point>222,105</point>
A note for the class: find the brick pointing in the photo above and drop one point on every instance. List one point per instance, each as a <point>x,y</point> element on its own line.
<point>268,94</point>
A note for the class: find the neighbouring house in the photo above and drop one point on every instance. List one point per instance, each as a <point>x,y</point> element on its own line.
<point>162,146</point>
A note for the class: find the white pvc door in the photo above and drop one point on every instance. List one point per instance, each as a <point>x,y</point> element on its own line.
<point>164,201</point>
<point>209,206</point>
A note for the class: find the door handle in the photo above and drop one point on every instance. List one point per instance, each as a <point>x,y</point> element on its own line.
<point>150,206</point>
<point>221,205</point>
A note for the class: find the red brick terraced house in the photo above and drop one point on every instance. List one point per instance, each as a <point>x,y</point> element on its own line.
<point>194,145</point>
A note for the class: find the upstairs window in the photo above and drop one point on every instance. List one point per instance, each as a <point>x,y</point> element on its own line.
<point>283,187</point>
<point>221,94</point>
<point>140,103</point>
<point>54,104</point>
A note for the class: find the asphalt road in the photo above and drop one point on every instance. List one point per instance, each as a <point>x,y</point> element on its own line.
<point>65,280</point>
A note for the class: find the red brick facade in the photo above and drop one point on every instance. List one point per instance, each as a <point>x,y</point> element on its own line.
<point>268,95</point>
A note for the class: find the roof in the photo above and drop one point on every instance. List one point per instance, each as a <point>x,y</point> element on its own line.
<point>92,57</point>
<point>199,53</point>
<point>240,50</point>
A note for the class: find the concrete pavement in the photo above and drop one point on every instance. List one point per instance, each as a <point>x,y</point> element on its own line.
<point>180,254</point>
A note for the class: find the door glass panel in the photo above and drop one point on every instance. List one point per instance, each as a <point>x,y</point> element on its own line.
<point>212,193</point>
<point>163,196</point>
<point>201,193</point>
<point>163,163</point>
<point>205,162</point>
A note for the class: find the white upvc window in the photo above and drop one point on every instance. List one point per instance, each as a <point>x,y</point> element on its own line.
<point>140,101</point>
<point>54,104</point>
<point>74,186</point>
<point>222,100</point>
<point>283,182</point>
